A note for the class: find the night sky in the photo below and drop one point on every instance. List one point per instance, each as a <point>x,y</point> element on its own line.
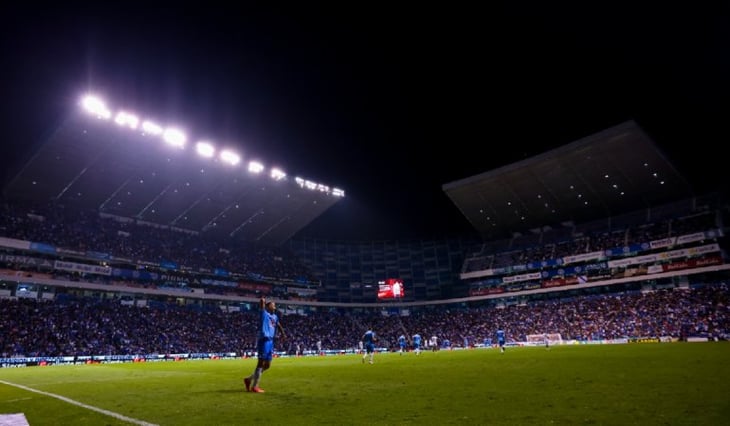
<point>386,102</point>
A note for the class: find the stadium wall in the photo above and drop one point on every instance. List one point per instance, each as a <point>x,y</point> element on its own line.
<point>350,271</point>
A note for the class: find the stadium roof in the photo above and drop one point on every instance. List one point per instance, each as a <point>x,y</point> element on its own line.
<point>611,172</point>
<point>91,163</point>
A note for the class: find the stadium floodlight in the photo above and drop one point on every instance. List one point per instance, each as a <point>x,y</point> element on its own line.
<point>174,137</point>
<point>127,119</point>
<point>205,149</point>
<point>152,128</point>
<point>96,106</point>
<point>230,157</point>
<point>255,167</point>
<point>277,174</point>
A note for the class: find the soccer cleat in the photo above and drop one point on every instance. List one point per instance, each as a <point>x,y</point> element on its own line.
<point>257,389</point>
<point>247,382</point>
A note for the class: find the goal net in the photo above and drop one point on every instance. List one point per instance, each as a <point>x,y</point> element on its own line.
<point>545,338</point>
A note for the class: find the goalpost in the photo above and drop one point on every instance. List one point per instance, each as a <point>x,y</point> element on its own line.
<point>544,339</point>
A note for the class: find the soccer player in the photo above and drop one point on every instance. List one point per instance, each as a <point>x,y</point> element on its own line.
<point>500,339</point>
<point>268,327</point>
<point>402,343</point>
<point>417,344</point>
<point>369,338</point>
<point>434,343</point>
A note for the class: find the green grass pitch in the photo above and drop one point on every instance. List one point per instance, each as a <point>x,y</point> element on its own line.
<point>632,384</point>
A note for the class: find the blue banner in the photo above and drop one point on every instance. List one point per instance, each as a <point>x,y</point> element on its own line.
<point>168,265</point>
<point>98,255</point>
<point>623,251</point>
<point>45,248</point>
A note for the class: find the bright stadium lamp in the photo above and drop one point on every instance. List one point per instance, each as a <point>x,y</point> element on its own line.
<point>96,106</point>
<point>127,119</point>
<point>255,167</point>
<point>337,192</point>
<point>277,174</point>
<point>205,149</point>
<point>230,157</point>
<point>151,128</point>
<point>174,137</point>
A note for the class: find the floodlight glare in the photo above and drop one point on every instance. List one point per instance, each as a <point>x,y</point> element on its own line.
<point>255,167</point>
<point>174,137</point>
<point>205,149</point>
<point>96,106</point>
<point>127,119</point>
<point>151,128</point>
<point>277,174</point>
<point>230,157</point>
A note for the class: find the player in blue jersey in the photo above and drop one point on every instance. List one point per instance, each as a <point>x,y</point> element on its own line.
<point>500,339</point>
<point>369,339</point>
<point>402,343</point>
<point>268,327</point>
<point>417,344</point>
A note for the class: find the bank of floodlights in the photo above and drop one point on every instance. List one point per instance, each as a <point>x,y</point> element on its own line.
<point>177,138</point>
<point>205,149</point>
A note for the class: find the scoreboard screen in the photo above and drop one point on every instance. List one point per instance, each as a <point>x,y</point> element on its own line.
<point>390,288</point>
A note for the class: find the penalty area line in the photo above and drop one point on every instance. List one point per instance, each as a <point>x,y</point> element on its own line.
<point>82,405</point>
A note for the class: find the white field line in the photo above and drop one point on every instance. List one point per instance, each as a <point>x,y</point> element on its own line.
<point>82,405</point>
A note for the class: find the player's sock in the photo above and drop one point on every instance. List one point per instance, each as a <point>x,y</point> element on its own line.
<point>256,376</point>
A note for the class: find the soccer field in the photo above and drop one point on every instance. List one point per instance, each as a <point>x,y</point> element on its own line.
<point>631,384</point>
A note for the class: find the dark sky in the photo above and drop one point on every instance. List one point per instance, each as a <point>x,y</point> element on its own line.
<point>387,102</point>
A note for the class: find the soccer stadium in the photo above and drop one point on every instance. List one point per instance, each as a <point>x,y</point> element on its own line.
<point>141,266</point>
<point>155,269</point>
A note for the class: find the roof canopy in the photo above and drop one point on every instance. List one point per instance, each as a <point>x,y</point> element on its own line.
<point>94,164</point>
<point>612,172</point>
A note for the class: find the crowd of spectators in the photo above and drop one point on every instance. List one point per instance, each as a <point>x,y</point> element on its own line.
<point>86,326</point>
<point>522,250</point>
<point>84,230</point>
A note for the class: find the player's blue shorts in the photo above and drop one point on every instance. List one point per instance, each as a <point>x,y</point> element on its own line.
<point>265,348</point>
<point>369,348</point>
